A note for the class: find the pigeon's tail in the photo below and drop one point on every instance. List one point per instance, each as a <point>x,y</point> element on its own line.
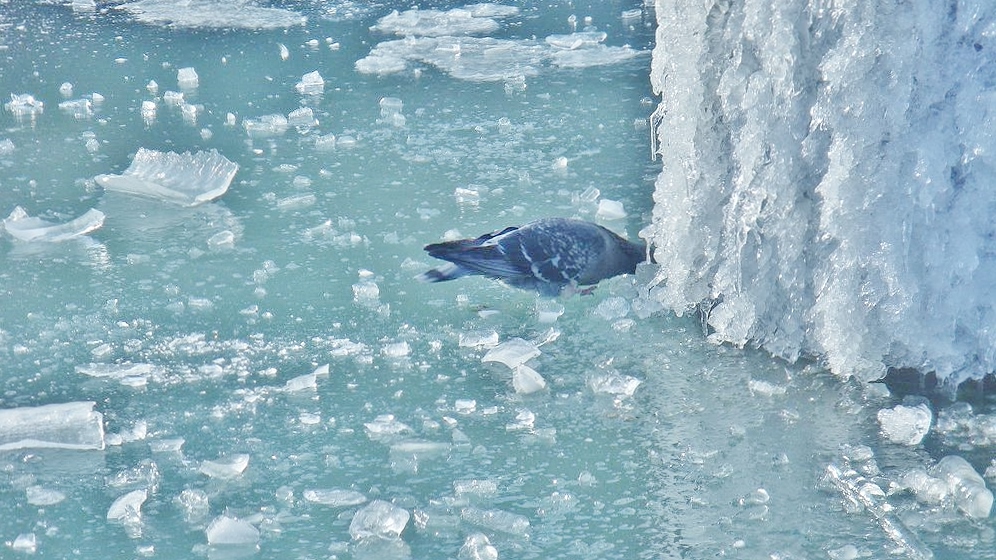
<point>448,271</point>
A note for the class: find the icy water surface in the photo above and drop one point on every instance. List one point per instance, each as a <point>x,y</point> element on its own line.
<point>272,383</point>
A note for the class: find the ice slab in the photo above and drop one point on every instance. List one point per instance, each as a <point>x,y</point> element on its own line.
<point>526,380</point>
<point>24,105</point>
<point>266,126</point>
<point>74,425</point>
<point>513,352</point>
<point>311,83</point>
<point>477,547</point>
<point>379,520</point>
<point>41,496</point>
<point>128,507</point>
<point>25,542</point>
<point>225,530</point>
<point>232,14</point>
<point>306,382</point>
<point>187,78</point>
<point>226,467</point>
<point>334,497</point>
<point>475,19</point>
<point>905,425</point>
<point>496,520</point>
<point>187,179</point>
<point>23,227</point>
<point>966,485</point>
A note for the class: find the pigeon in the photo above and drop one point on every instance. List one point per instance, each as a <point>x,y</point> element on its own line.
<point>547,255</point>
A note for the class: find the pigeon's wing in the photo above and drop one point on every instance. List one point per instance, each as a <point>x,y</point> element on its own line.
<point>485,255</point>
<point>559,251</point>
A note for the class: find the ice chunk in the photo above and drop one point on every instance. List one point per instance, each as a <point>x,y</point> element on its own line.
<point>226,14</point>
<point>225,530</point>
<point>128,374</point>
<point>379,520</point>
<point>227,467</point>
<point>79,109</point>
<point>576,40</point>
<point>966,485</point>
<point>610,210</point>
<point>24,105</point>
<point>187,179</point>
<point>598,55</point>
<point>478,339</point>
<point>496,520</point>
<point>396,349</point>
<point>25,542</point>
<point>613,384</point>
<point>512,352</point>
<point>23,227</point>
<point>40,496</point>
<point>477,547</point>
<point>284,52</point>
<point>128,507</point>
<point>265,126</point>
<point>193,505</point>
<point>335,497</point>
<point>325,143</point>
<point>386,425</point>
<point>311,83</point>
<point>905,425</point>
<point>612,308</point>
<point>72,425</point>
<point>306,382</point>
<point>6,147</point>
<point>475,487</point>
<point>303,117</point>
<point>187,78</point>
<point>478,19</point>
<point>526,380</point>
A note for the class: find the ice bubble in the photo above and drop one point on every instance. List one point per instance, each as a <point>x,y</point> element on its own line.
<point>24,105</point>
<point>526,380</point>
<point>477,547</point>
<point>187,179</point>
<point>225,530</point>
<point>311,83</point>
<point>25,542</point>
<point>66,90</point>
<point>905,425</point>
<point>226,467</point>
<point>72,425</point>
<point>612,308</point>
<point>966,485</point>
<point>335,497</point>
<point>512,352</point>
<point>187,78</point>
<point>610,210</point>
<point>265,126</point>
<point>379,520</point>
<point>23,227</point>
<point>306,382</point>
<point>128,507</point>
<point>303,117</point>
<point>496,520</point>
<point>211,14</point>
<point>39,496</point>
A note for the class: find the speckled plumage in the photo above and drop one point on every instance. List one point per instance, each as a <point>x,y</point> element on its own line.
<point>546,255</point>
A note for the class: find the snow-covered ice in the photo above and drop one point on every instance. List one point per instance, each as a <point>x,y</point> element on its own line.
<point>187,179</point>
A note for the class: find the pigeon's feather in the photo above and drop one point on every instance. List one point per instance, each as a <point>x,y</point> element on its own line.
<point>545,255</point>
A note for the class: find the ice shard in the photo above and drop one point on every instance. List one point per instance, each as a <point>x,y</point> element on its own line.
<point>74,425</point>
<point>187,179</point>
<point>23,227</point>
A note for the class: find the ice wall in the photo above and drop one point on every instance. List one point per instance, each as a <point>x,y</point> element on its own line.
<point>829,182</point>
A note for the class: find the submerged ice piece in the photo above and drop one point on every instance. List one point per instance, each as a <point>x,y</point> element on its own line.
<point>187,179</point>
<point>546,255</point>
<point>74,425</point>
<point>28,228</point>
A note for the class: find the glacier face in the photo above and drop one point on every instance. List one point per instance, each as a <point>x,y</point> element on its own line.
<point>826,184</point>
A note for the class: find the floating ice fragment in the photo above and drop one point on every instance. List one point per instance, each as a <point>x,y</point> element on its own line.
<point>905,425</point>
<point>396,349</point>
<point>379,520</point>
<point>187,179</point>
<point>598,55</point>
<point>325,143</point>
<point>765,388</point>
<point>66,90</point>
<point>284,53</point>
<point>72,425</point>
<point>173,98</point>
<point>966,485</point>
<point>612,308</point>
<point>303,117</point>
<point>524,420</point>
<point>187,78</point>
<point>6,147</point>
<point>475,487</point>
<point>222,240</point>
<point>171,445</point>
<point>265,126</point>
<point>613,384</point>
<point>217,14</point>
<point>39,496</point>
<point>128,507</point>
<point>335,497</point>
<point>193,505</point>
<point>227,467</point>
<point>311,83</point>
<point>477,547</point>
<point>559,163</point>
<point>225,530</point>
<point>477,19</point>
<point>496,520</point>
<point>25,542</point>
<point>24,105</point>
<point>576,40</point>
<point>526,380</point>
<point>610,210</point>
<point>23,227</point>
<point>512,352</point>
<point>306,382</point>
<point>126,374</point>
<point>386,424</point>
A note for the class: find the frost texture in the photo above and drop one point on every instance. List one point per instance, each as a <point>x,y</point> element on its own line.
<point>187,179</point>
<point>826,184</point>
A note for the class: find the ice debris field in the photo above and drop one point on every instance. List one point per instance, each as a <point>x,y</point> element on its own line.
<point>212,343</point>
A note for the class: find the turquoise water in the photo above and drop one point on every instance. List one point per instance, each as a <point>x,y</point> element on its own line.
<point>647,442</point>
